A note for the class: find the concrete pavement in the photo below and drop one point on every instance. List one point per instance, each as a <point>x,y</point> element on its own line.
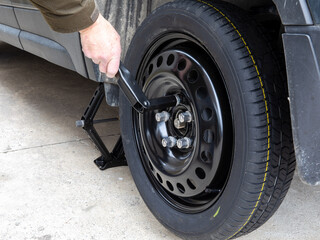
<point>49,187</point>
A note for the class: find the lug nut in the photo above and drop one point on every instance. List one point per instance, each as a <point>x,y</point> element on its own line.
<point>169,142</point>
<point>162,116</point>
<point>185,117</point>
<point>184,143</point>
<point>178,124</point>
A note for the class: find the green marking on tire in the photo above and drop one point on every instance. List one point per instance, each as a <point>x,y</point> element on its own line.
<point>217,212</point>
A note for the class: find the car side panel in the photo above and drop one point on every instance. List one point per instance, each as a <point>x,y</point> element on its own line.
<point>37,37</point>
<point>23,4</point>
<point>302,60</point>
<point>7,17</point>
<point>9,28</point>
<point>294,12</point>
<point>5,2</point>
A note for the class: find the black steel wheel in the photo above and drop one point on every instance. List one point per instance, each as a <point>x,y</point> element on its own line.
<point>218,164</point>
<point>184,176</point>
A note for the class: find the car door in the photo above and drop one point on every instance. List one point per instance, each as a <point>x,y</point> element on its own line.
<point>5,2</point>
<point>9,28</point>
<point>22,3</point>
<point>36,37</point>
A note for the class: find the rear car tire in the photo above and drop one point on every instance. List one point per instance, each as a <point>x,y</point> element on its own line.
<point>240,162</point>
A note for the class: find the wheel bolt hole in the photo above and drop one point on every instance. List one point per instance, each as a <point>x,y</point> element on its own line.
<point>201,93</point>
<point>191,184</point>
<point>150,68</point>
<point>159,61</point>
<point>182,64</point>
<point>192,76</point>
<point>151,167</point>
<point>206,156</point>
<point>170,186</point>
<point>200,173</point>
<point>180,188</point>
<point>170,59</point>
<point>159,178</point>
<point>207,114</point>
<point>208,136</point>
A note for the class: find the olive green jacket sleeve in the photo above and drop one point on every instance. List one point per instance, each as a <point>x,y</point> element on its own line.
<point>68,15</point>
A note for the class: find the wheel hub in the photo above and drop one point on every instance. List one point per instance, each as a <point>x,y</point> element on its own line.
<point>183,152</point>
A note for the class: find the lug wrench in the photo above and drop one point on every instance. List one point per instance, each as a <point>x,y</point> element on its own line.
<point>136,96</point>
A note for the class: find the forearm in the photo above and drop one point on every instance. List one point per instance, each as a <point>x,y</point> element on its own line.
<point>68,15</point>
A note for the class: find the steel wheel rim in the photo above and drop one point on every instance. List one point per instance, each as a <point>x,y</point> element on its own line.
<point>190,180</point>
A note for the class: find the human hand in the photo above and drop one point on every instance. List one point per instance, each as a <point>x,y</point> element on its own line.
<point>101,43</point>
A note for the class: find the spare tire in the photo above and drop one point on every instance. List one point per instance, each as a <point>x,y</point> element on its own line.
<point>234,160</point>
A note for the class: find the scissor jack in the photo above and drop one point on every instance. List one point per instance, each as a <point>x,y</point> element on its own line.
<point>138,101</point>
<point>108,159</point>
